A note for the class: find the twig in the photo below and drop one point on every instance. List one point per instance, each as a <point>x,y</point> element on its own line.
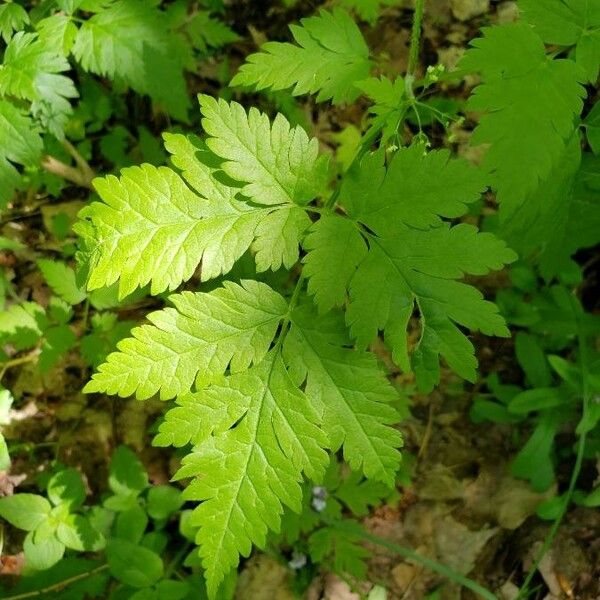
<point>81,175</point>
<point>83,164</point>
<point>57,586</point>
<point>21,360</point>
<point>424,561</point>
<point>72,174</point>
<point>586,393</point>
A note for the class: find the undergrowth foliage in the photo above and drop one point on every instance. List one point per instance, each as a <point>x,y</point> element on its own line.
<point>133,43</point>
<point>276,375</point>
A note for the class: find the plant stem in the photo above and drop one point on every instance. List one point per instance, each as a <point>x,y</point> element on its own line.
<point>72,174</point>
<point>172,566</point>
<point>81,175</point>
<point>364,147</point>
<point>21,360</point>
<point>415,42</point>
<point>57,586</point>
<point>86,171</point>
<point>428,563</point>
<point>584,368</point>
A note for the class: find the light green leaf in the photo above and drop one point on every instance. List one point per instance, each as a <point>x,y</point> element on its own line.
<point>32,71</point>
<point>348,389</point>
<point>4,454</point>
<point>6,401</point>
<point>276,438</point>
<point>329,57</point>
<point>57,32</point>
<point>24,511</point>
<point>62,280</point>
<point>13,17</point>
<point>204,334</point>
<point>77,533</point>
<point>152,228</point>
<point>43,553</point>
<point>279,163</point>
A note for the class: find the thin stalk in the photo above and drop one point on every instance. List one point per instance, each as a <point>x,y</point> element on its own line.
<point>584,368</point>
<point>58,586</point>
<point>21,360</point>
<point>72,174</point>
<point>415,44</point>
<point>83,165</point>
<point>428,563</point>
<point>81,175</point>
<point>291,306</point>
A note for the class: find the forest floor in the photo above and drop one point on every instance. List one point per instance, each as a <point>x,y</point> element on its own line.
<point>460,506</point>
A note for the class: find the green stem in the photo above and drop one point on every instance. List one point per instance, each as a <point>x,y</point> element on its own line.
<point>174,564</point>
<point>57,586</point>
<point>428,563</point>
<point>21,360</point>
<point>415,42</point>
<point>291,306</point>
<point>365,144</point>
<point>583,366</point>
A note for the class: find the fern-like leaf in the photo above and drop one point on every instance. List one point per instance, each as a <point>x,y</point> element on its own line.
<point>129,43</point>
<point>13,17</point>
<point>198,339</point>
<point>259,434</point>
<point>33,71</point>
<point>278,163</point>
<point>329,58</point>
<point>152,227</point>
<point>348,389</point>
<point>413,258</point>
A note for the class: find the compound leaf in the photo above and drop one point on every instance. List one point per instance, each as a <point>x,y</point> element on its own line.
<point>413,258</point>
<point>13,17</point>
<point>278,163</point>
<point>152,228</point>
<point>31,70</point>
